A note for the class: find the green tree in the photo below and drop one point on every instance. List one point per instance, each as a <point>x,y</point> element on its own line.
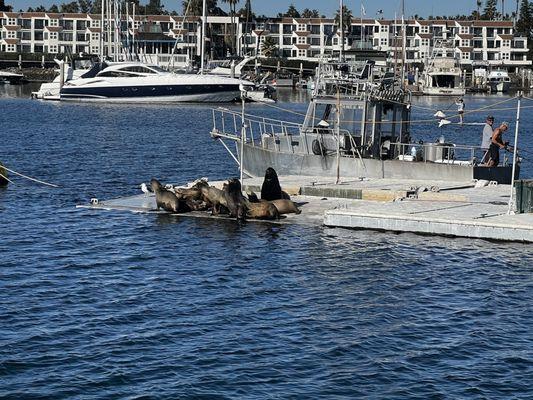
<point>96,7</point>
<point>30,9</point>
<point>490,12</point>
<point>40,8</point>
<point>269,47</point>
<point>154,7</point>
<point>53,9</point>
<point>291,12</point>
<point>346,18</point>
<point>233,40</point>
<point>4,7</point>
<point>85,5</point>
<point>307,13</point>
<point>524,25</point>
<point>71,7</point>
<point>195,7</point>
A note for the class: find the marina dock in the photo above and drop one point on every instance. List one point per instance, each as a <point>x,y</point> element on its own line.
<point>451,209</point>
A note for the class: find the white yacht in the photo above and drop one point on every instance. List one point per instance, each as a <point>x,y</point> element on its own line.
<point>442,76</point>
<point>50,90</point>
<point>499,81</point>
<point>139,82</point>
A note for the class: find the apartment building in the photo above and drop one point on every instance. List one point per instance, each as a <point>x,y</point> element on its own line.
<point>492,43</point>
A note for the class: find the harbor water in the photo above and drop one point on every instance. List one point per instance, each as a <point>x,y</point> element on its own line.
<point>99,304</point>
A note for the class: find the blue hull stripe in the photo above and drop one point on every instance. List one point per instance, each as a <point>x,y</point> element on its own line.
<point>145,91</point>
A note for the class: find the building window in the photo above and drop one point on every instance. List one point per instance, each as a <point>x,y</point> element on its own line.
<point>95,23</point>
<point>465,56</point>
<point>301,27</point>
<point>464,29</point>
<point>465,43</point>
<point>302,53</point>
<point>383,28</point>
<point>383,41</point>
<point>425,42</point>
<point>11,21</point>
<point>53,35</point>
<point>52,49</point>
<point>94,49</point>
<point>11,48</point>
<point>505,56</point>
<point>54,22</point>
<point>94,36</point>
<point>506,43</point>
<point>11,34</point>
<point>302,40</point>
<point>424,29</point>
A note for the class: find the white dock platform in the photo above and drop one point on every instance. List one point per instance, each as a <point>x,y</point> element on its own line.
<point>451,209</point>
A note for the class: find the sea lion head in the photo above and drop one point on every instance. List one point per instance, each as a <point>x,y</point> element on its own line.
<point>155,185</point>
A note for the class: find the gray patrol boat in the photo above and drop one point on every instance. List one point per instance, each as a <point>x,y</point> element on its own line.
<point>356,126</point>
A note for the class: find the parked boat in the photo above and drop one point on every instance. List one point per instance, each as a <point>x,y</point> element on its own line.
<point>353,128</point>
<point>138,82</point>
<point>499,81</point>
<point>75,70</point>
<point>11,77</point>
<point>442,76</point>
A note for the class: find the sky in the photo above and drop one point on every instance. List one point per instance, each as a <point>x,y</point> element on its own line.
<point>325,7</point>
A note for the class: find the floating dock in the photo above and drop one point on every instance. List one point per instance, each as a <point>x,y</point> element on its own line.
<point>441,208</point>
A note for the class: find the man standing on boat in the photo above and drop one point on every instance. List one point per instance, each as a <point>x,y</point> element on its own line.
<point>460,109</point>
<point>486,138</point>
<point>497,144</point>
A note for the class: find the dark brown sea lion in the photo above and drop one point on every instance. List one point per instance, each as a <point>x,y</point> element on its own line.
<point>262,210</point>
<point>165,199</point>
<point>286,206</point>
<point>271,189</point>
<point>213,197</point>
<point>193,193</point>
<point>235,201</point>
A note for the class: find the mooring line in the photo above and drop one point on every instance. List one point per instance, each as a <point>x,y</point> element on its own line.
<point>30,178</point>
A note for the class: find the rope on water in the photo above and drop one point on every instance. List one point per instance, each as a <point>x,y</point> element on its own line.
<point>30,178</point>
<point>6,178</point>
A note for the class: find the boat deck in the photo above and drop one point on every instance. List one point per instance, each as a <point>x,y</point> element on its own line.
<point>442,208</point>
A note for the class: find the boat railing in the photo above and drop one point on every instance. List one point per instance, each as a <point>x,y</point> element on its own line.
<point>228,124</point>
<point>446,153</point>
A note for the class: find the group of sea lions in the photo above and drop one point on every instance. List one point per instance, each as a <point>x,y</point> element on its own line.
<point>226,201</point>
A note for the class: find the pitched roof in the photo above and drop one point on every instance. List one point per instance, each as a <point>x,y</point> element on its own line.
<point>11,41</point>
<point>12,27</point>
<point>54,28</point>
<point>302,46</point>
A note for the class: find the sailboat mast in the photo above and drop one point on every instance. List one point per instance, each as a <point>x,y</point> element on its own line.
<point>341,52</point>
<point>404,39</point>
<point>101,53</point>
<point>202,45</point>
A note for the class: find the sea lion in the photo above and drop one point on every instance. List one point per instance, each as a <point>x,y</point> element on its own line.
<point>262,210</point>
<point>271,189</point>
<point>165,199</point>
<point>193,193</point>
<point>235,201</point>
<point>213,197</point>
<point>286,206</point>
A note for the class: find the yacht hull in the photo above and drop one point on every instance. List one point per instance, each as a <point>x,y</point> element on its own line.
<point>152,94</point>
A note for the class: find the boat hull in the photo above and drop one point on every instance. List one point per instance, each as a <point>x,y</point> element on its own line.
<point>152,94</point>
<point>258,159</point>
<point>435,91</point>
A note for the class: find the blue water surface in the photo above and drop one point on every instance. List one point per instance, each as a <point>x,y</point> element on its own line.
<point>108,305</point>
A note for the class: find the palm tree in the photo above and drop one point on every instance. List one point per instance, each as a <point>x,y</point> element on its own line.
<point>479,4</point>
<point>346,18</point>
<point>232,8</point>
<point>269,47</point>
